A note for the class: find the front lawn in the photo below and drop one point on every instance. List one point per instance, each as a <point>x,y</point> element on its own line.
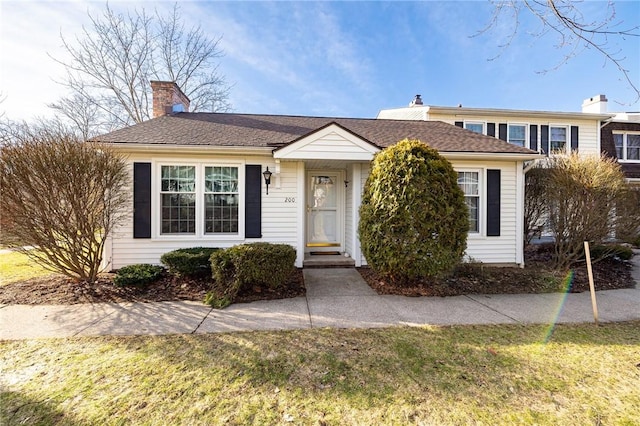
<point>16,267</point>
<point>436,375</point>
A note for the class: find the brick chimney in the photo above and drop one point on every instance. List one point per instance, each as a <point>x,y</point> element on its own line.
<point>596,104</point>
<point>168,98</point>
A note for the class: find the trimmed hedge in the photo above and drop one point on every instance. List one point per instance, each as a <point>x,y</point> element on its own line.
<point>248,264</point>
<point>189,261</point>
<point>137,275</point>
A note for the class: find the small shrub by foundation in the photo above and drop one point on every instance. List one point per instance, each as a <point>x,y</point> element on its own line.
<point>194,261</point>
<point>248,264</point>
<point>137,275</point>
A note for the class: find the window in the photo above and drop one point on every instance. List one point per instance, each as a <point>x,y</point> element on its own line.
<point>627,146</point>
<point>517,134</point>
<point>469,183</point>
<point>199,199</point>
<point>557,138</point>
<point>474,126</point>
<point>221,199</point>
<point>178,200</point>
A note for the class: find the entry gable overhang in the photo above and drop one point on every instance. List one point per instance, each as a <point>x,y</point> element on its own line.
<point>329,142</point>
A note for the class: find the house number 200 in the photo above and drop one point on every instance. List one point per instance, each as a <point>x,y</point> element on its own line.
<point>289,199</point>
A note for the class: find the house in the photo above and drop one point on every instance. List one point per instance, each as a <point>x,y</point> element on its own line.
<point>621,140</point>
<point>542,131</point>
<point>220,179</point>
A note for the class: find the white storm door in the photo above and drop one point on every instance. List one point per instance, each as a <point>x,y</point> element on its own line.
<point>324,211</point>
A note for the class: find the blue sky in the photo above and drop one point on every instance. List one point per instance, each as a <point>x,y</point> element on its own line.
<point>341,58</point>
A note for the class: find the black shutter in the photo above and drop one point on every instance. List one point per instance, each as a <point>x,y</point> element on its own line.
<point>502,131</point>
<point>141,200</point>
<point>253,201</point>
<point>574,138</point>
<point>533,137</point>
<point>459,124</point>
<point>544,139</point>
<point>493,203</point>
<point>491,129</point>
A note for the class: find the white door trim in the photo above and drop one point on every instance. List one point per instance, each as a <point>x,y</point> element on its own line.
<point>340,209</point>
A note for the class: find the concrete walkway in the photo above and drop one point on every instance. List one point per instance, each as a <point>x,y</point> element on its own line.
<point>337,298</point>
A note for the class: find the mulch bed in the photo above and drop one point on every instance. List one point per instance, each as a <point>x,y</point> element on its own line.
<point>58,290</point>
<point>608,275</point>
<point>468,279</point>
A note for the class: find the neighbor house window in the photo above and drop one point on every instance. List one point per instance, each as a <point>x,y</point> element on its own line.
<point>517,134</point>
<point>470,185</point>
<point>475,126</point>
<point>178,200</point>
<point>558,138</point>
<point>221,199</point>
<point>199,200</point>
<point>627,146</point>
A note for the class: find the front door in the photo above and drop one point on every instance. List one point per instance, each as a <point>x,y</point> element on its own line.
<point>324,212</point>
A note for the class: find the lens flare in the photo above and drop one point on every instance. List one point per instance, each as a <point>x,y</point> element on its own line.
<point>567,282</point>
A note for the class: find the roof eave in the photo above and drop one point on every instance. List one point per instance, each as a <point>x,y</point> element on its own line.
<point>492,112</point>
<point>496,156</point>
<point>191,149</point>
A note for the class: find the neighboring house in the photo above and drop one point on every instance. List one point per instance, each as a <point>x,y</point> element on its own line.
<point>621,140</point>
<point>543,131</point>
<point>198,181</point>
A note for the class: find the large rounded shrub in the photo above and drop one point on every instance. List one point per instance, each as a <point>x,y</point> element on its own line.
<point>413,218</point>
<point>190,262</point>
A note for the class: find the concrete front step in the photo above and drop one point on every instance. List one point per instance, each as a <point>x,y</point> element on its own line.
<point>328,261</point>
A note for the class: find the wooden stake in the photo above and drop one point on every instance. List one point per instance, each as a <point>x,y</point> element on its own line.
<point>592,288</point>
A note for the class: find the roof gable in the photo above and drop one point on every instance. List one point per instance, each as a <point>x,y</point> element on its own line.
<point>326,142</point>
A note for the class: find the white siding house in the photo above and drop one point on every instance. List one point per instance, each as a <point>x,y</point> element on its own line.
<point>197,181</point>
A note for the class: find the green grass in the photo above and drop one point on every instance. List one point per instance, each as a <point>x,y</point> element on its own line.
<point>438,375</point>
<point>17,267</point>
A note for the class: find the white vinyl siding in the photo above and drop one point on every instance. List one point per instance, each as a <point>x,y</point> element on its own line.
<point>588,129</point>
<point>492,250</point>
<point>279,214</point>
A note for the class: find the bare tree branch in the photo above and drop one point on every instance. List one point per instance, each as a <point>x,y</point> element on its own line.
<point>575,32</point>
<point>113,60</point>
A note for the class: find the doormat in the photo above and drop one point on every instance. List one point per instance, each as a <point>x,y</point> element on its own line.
<point>325,253</point>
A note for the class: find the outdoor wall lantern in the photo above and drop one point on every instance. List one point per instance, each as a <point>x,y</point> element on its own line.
<point>267,178</point>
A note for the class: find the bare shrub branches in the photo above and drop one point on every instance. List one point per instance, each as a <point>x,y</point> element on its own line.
<point>63,197</point>
<point>113,60</point>
<point>583,200</point>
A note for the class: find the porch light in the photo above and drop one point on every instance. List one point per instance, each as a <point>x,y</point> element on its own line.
<point>267,178</point>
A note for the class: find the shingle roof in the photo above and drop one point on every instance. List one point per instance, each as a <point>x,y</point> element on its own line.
<point>253,130</point>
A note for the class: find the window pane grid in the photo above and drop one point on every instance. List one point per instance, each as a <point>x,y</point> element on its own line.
<point>618,140</point>
<point>469,183</point>
<point>178,200</point>
<point>517,134</point>
<point>558,138</point>
<point>627,146</point>
<point>633,147</point>
<point>221,200</point>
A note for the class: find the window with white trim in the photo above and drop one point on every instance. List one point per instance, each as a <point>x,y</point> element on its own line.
<point>199,200</point>
<point>627,146</point>
<point>475,126</point>
<point>469,182</point>
<point>517,134</point>
<point>558,138</point>
<point>178,200</point>
<point>221,199</point>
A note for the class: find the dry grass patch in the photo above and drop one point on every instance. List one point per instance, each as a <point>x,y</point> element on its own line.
<point>439,375</point>
<point>16,267</point>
